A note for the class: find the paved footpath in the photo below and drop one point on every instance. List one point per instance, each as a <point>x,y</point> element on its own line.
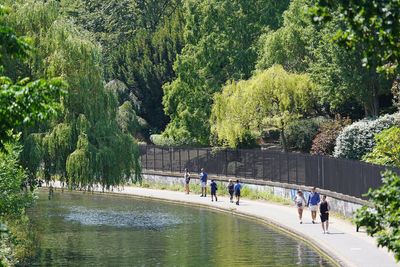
<point>343,243</point>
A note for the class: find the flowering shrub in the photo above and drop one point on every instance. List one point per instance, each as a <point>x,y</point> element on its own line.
<point>357,139</point>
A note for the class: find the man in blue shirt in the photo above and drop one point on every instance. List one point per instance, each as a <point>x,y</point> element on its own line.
<point>237,189</point>
<point>203,183</point>
<point>313,202</point>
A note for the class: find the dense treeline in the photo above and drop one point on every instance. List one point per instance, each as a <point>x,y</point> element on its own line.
<point>190,72</point>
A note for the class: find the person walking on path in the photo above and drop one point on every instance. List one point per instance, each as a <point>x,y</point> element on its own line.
<point>313,201</point>
<point>187,180</point>
<point>214,189</point>
<point>203,183</point>
<point>231,190</point>
<point>300,203</point>
<point>324,208</point>
<point>237,189</point>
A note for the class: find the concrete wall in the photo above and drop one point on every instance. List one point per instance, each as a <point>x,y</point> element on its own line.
<point>342,204</point>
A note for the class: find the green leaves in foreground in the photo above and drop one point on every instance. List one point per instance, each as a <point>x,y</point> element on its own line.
<point>383,222</point>
<point>25,102</point>
<point>12,200</point>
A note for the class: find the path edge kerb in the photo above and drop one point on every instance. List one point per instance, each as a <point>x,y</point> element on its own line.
<point>321,249</point>
<point>328,193</point>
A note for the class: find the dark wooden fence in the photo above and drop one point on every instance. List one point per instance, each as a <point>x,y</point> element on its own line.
<point>348,177</point>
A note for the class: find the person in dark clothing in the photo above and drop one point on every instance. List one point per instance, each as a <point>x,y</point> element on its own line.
<point>324,214</point>
<point>237,189</point>
<point>231,190</point>
<point>203,182</point>
<point>214,189</point>
<point>187,180</point>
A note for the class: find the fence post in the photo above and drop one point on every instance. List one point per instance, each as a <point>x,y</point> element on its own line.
<point>146,157</point>
<point>263,164</point>
<point>244,163</point>
<point>162,159</point>
<point>188,152</point>
<point>180,163</point>
<point>288,167</point>
<point>279,165</point>
<point>154,157</point>
<point>198,160</point>
<point>297,176</point>
<point>236,160</point>
<point>323,172</point>
<point>226,162</point>
<point>170,157</point>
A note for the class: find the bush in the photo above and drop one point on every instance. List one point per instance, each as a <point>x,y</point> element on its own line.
<point>387,149</point>
<point>162,140</point>
<point>357,139</point>
<point>383,221</point>
<point>300,133</point>
<point>324,141</point>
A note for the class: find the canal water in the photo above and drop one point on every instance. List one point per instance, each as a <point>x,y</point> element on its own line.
<point>78,229</point>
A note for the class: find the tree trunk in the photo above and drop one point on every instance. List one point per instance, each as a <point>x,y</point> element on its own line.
<point>372,106</point>
<point>283,138</point>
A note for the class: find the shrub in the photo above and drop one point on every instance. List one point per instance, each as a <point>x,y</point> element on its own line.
<point>162,140</point>
<point>357,139</point>
<point>324,141</point>
<point>300,133</point>
<point>383,221</point>
<point>387,149</point>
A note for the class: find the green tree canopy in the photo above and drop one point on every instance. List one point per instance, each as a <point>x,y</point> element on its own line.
<point>344,85</point>
<point>374,23</point>
<point>220,39</point>
<point>269,100</point>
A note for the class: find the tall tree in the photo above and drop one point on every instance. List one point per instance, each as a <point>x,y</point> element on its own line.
<point>301,46</point>
<point>374,23</point>
<point>269,100</point>
<point>85,145</point>
<point>220,41</point>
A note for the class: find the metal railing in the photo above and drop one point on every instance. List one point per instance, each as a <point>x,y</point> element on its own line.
<point>348,177</point>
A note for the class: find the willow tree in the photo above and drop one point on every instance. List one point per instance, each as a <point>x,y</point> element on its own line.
<point>268,100</point>
<point>84,145</point>
<point>220,41</point>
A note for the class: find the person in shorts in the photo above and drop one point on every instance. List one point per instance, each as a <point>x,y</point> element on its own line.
<point>237,189</point>
<point>324,208</point>
<point>203,182</point>
<point>186,175</point>
<point>231,190</point>
<point>300,203</point>
<point>313,201</point>
<point>214,189</point>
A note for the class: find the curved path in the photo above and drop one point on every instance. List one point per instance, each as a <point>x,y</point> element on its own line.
<point>343,244</point>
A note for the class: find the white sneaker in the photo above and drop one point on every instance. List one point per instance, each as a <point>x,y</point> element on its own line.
<point>327,232</point>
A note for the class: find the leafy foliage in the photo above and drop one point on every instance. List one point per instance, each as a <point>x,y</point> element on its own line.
<point>387,148</point>
<point>220,45</point>
<point>300,133</point>
<point>374,23</point>
<point>272,99</point>
<point>109,155</point>
<point>12,175</point>
<point>357,139</point>
<point>383,222</point>
<point>324,141</point>
<point>344,86</point>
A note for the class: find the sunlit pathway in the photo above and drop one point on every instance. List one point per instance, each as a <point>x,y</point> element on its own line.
<point>344,244</point>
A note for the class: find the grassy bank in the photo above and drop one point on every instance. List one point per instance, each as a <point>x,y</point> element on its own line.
<point>246,192</point>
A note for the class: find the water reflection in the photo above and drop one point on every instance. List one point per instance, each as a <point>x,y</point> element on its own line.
<point>139,219</point>
<point>88,230</point>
